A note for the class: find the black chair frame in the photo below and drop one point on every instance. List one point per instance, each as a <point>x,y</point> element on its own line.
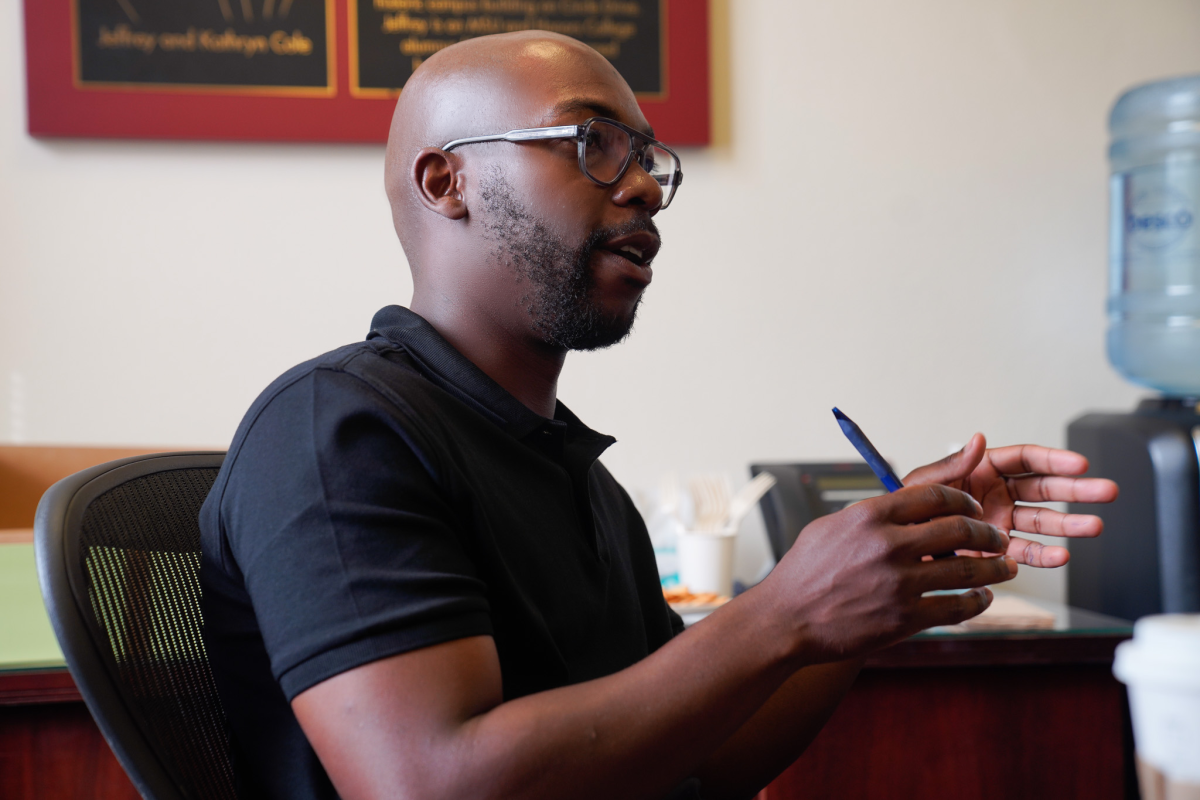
<point>65,592</point>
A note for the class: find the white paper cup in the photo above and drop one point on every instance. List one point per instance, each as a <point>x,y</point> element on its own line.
<point>1161,667</point>
<point>706,561</point>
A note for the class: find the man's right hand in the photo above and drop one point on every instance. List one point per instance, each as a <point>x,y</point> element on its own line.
<point>855,581</point>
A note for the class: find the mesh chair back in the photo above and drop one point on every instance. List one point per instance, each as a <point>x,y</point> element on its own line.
<point>119,558</point>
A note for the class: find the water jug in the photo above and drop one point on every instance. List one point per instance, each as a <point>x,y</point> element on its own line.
<point>1154,244</point>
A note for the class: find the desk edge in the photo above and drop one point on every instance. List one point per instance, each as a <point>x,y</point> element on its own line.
<point>35,686</point>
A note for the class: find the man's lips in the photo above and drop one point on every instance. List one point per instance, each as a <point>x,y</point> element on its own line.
<point>639,247</point>
<point>622,267</point>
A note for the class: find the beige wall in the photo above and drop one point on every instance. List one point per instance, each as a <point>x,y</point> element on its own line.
<point>906,217</point>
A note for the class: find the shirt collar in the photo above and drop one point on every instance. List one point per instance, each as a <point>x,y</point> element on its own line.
<point>440,362</point>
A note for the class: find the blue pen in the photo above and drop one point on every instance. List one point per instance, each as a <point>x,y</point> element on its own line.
<point>881,468</point>
<point>867,450</point>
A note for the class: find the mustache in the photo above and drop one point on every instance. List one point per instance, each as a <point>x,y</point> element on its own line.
<point>602,235</point>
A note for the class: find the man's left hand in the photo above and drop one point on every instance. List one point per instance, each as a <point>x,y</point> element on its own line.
<point>1002,477</point>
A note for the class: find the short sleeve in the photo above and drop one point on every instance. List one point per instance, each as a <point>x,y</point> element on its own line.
<point>348,547</point>
<point>677,625</point>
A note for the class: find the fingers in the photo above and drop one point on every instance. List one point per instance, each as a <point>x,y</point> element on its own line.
<point>965,572</point>
<point>1032,519</point>
<point>1024,458</point>
<point>921,503</point>
<point>951,609</point>
<point>953,467</point>
<point>1042,488</point>
<point>947,534</point>
<point>1036,554</point>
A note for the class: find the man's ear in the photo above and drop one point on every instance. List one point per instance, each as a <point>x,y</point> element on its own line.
<point>438,182</point>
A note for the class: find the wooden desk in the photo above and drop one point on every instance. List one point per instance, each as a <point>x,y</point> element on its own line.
<point>940,716</point>
<point>956,716</point>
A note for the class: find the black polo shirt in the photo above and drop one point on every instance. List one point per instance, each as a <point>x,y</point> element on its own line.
<point>389,496</point>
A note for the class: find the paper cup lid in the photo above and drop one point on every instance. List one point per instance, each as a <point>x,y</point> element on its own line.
<point>1177,634</point>
<point>1164,648</point>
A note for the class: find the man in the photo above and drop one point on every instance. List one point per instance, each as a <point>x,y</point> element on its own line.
<point>418,580</point>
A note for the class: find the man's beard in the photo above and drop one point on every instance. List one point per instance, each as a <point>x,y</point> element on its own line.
<point>561,301</point>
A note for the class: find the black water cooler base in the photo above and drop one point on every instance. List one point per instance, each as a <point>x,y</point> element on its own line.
<point>1148,559</point>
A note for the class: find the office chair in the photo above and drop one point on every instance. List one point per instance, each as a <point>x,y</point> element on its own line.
<point>118,557</point>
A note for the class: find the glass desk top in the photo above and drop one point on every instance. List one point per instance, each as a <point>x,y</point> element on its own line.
<point>1068,621</point>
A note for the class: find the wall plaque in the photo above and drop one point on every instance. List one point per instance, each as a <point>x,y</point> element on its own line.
<point>322,70</point>
<point>271,46</point>
<point>390,38</point>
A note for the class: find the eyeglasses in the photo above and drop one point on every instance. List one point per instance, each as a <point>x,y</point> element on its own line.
<point>606,149</point>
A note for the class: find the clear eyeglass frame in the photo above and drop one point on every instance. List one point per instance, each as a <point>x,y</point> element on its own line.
<point>668,175</point>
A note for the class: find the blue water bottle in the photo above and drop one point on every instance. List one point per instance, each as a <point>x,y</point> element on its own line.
<point>1154,244</point>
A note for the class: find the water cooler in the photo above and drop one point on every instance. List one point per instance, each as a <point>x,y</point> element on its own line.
<point>1148,559</point>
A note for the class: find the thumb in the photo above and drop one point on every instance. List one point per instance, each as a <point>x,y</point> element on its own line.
<point>953,467</point>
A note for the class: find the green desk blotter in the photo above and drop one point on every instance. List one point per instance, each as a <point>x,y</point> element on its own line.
<point>26,638</point>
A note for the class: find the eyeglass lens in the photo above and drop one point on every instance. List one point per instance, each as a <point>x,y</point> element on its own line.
<point>608,149</point>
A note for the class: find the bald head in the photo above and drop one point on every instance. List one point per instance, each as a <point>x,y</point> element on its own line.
<point>469,88</point>
<point>489,85</point>
<point>513,241</point>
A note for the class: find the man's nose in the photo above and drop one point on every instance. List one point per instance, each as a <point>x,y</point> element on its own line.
<point>636,187</point>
